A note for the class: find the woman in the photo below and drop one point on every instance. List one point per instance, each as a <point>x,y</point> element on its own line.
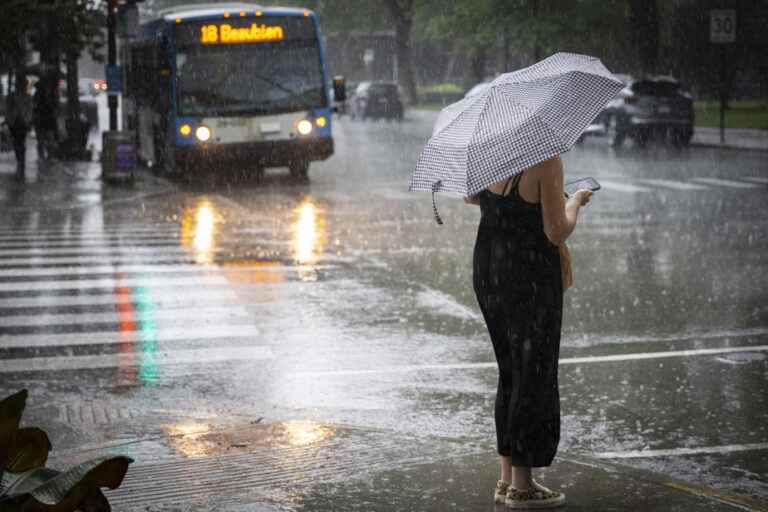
<point>19,119</point>
<point>518,283</point>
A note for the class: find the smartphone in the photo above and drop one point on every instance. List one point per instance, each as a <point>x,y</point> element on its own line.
<point>582,183</point>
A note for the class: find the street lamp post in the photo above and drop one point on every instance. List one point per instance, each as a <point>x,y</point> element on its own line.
<point>112,59</point>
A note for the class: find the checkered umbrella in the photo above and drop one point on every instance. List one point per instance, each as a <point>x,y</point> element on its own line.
<point>523,118</point>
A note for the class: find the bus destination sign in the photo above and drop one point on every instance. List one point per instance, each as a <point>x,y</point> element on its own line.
<point>227,34</point>
<point>244,31</point>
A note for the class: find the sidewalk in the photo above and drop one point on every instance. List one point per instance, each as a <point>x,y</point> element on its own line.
<point>260,468</point>
<point>735,138</point>
<point>56,184</point>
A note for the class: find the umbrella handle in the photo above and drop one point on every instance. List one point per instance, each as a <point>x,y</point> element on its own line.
<point>435,186</point>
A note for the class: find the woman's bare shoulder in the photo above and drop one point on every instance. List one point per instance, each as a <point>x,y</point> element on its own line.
<point>550,168</point>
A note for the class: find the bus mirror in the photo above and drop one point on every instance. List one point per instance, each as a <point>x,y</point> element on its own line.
<point>339,89</point>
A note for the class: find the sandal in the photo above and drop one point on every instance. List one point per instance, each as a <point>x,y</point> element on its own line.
<point>537,496</point>
<point>500,493</point>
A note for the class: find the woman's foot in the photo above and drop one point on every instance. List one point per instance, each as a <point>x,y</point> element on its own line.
<point>500,493</point>
<point>537,496</point>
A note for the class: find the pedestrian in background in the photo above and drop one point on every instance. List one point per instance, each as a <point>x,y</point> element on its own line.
<point>19,120</point>
<point>44,120</point>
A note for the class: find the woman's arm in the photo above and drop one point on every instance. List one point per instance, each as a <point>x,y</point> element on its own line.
<point>472,199</point>
<point>559,215</point>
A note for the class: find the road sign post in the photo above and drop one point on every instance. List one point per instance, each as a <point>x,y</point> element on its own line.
<point>722,31</point>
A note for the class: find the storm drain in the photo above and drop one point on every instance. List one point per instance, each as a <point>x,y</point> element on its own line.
<point>266,473</point>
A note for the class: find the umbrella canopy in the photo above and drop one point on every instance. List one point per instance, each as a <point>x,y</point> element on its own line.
<point>523,118</point>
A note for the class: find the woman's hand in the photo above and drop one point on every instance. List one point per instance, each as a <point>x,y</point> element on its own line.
<point>472,199</point>
<point>581,197</point>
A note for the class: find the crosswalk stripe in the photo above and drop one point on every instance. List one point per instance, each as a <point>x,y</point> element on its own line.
<point>171,248</point>
<point>112,259</point>
<point>170,232</point>
<point>623,187</point>
<point>117,229</point>
<point>162,333</point>
<point>152,276</point>
<point>725,183</point>
<point>113,243</point>
<point>132,269</point>
<point>128,250</point>
<point>160,358</point>
<point>155,282</point>
<point>200,314</point>
<point>169,300</point>
<point>118,235</point>
<point>675,185</point>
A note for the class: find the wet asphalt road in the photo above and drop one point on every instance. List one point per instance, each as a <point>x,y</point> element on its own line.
<point>339,304</point>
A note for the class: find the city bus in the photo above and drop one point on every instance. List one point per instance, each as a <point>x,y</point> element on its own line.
<point>211,84</point>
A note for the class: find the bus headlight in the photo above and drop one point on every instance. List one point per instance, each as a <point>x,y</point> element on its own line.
<point>203,133</point>
<point>185,129</point>
<point>304,127</point>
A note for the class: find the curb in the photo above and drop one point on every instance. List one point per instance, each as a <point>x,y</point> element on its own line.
<point>699,491</point>
<point>710,145</point>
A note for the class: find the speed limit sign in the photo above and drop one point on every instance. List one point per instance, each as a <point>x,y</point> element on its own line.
<point>722,25</point>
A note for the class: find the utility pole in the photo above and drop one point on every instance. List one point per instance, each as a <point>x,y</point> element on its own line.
<point>722,31</point>
<point>112,59</point>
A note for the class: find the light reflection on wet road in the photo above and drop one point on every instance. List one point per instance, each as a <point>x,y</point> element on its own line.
<point>205,307</point>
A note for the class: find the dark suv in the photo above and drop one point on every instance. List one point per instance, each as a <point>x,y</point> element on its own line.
<point>650,107</point>
<point>377,99</point>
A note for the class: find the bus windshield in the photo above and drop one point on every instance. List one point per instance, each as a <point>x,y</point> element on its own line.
<point>249,79</point>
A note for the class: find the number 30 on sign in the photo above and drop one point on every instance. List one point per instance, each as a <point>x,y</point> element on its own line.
<point>722,25</point>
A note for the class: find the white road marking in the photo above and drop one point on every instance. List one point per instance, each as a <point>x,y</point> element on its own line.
<point>570,360</point>
<point>622,187</point>
<point>116,229</point>
<point>725,183</point>
<point>161,334</point>
<point>115,243</point>
<point>113,259</point>
<point>103,237</point>
<point>202,315</point>
<point>127,250</point>
<point>757,179</point>
<point>110,283</point>
<point>673,452</point>
<point>160,358</point>
<point>444,304</point>
<point>133,269</point>
<point>396,195</point>
<point>124,249</point>
<point>657,355</point>
<point>168,300</point>
<point>675,185</point>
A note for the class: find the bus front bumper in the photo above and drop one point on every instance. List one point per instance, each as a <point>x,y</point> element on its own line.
<point>277,153</point>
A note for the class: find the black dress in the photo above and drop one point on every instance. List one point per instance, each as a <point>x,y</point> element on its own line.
<point>518,284</point>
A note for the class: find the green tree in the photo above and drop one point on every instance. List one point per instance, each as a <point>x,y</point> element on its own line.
<point>403,12</point>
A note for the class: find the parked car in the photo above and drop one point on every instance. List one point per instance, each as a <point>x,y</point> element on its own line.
<point>377,100</point>
<point>650,107</point>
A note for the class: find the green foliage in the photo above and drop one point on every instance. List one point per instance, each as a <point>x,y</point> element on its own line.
<point>739,114</point>
<point>27,486</point>
<point>442,88</point>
